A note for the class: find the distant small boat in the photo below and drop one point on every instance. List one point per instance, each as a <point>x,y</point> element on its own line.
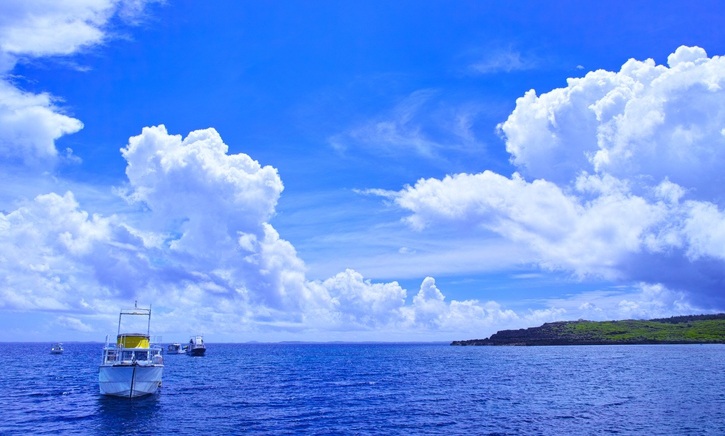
<point>175,348</point>
<point>196,346</point>
<point>57,348</point>
<point>131,367</point>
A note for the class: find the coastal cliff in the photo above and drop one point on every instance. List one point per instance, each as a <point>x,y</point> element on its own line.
<point>694,329</point>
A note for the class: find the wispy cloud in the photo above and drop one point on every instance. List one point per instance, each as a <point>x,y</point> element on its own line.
<point>422,124</point>
<point>75,324</point>
<point>502,61</point>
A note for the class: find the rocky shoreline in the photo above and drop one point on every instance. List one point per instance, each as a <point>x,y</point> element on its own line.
<point>694,329</point>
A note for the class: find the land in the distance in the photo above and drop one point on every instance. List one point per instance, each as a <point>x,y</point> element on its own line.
<point>693,329</point>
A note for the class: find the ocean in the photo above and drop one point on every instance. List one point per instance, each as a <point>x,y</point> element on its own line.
<point>376,389</point>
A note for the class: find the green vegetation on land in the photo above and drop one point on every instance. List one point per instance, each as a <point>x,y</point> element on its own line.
<point>695,329</point>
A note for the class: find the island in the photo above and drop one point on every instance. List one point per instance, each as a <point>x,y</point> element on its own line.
<point>692,329</point>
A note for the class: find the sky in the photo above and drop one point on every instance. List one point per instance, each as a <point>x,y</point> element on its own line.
<point>358,171</point>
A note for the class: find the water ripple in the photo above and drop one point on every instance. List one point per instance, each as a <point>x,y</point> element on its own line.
<point>372,389</point>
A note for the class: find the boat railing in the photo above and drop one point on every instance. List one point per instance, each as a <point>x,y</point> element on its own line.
<point>114,354</point>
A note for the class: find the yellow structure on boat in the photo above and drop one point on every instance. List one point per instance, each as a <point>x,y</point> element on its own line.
<point>133,340</point>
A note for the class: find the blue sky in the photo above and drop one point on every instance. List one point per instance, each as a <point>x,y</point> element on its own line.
<point>422,170</point>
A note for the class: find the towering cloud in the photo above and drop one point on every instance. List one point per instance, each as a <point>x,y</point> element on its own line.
<point>209,211</point>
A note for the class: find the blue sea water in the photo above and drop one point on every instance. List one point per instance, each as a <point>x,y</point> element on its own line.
<point>386,389</point>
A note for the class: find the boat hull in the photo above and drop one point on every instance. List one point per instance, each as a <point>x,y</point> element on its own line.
<point>130,381</point>
<point>196,346</point>
<point>196,351</point>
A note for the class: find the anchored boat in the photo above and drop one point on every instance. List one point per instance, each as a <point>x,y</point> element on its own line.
<point>196,346</point>
<point>57,348</point>
<point>131,367</point>
<point>175,348</point>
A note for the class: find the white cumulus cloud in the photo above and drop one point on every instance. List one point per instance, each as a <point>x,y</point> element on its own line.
<point>48,27</point>
<point>30,123</point>
<point>644,124</point>
<point>619,177</point>
<point>200,247</point>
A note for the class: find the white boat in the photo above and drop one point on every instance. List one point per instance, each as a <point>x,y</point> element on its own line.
<point>57,348</point>
<point>131,367</point>
<point>196,346</point>
<point>175,348</point>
